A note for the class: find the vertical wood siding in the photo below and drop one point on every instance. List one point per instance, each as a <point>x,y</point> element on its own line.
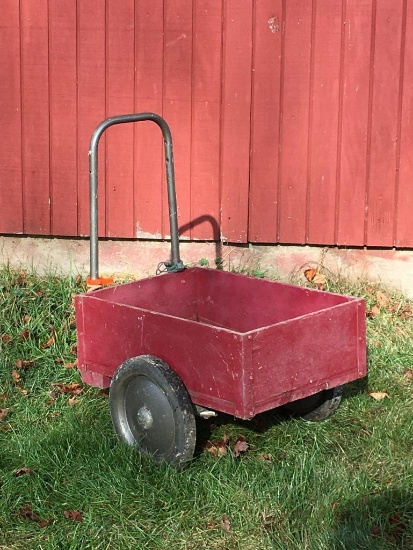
<point>292,120</point>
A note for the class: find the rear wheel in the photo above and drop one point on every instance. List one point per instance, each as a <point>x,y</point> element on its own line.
<point>151,408</point>
<point>318,406</point>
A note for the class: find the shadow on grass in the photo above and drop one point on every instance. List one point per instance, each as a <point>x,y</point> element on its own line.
<point>263,422</point>
<point>377,522</point>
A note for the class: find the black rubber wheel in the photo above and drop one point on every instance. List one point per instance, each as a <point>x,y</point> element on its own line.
<point>151,408</point>
<point>318,406</point>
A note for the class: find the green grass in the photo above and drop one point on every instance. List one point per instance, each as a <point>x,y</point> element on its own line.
<point>346,483</point>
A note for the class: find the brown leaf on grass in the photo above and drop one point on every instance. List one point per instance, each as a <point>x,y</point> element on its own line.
<point>71,365</point>
<point>3,414</point>
<point>45,522</point>
<point>218,448</point>
<point>225,523</point>
<point>4,396</point>
<point>408,374</point>
<point>73,401</point>
<point>5,338</point>
<point>17,382</point>
<point>267,520</point>
<point>375,310</point>
<point>22,277</point>
<point>22,364</point>
<point>73,515</point>
<point>49,342</point>
<point>58,361</point>
<point>376,531</point>
<point>310,273</point>
<point>22,471</point>
<point>240,447</point>
<point>72,389</point>
<point>27,513</point>
<point>26,318</point>
<point>267,457</point>
<point>406,313</point>
<point>379,395</point>
<point>25,334</point>
<point>382,299</point>
<point>16,377</point>
<point>319,279</point>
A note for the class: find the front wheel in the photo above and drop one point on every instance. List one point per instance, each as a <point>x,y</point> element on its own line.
<point>151,408</point>
<point>318,406</point>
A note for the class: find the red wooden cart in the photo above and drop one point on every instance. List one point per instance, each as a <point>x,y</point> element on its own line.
<point>196,340</point>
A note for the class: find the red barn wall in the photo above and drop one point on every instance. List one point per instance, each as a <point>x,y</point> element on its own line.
<point>292,121</point>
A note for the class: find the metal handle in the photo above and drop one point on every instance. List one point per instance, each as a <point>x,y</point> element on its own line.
<point>175,264</point>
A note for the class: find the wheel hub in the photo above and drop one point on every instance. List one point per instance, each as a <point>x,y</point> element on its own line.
<point>144,418</point>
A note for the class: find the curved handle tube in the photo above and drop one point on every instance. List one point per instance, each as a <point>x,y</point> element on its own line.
<point>175,264</point>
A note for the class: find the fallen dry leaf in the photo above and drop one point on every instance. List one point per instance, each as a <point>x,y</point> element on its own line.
<point>376,531</point>
<point>16,377</point>
<point>27,513</point>
<point>217,449</point>
<point>91,288</point>
<point>382,299</point>
<point>3,414</point>
<point>25,334</point>
<point>71,365</point>
<point>225,523</point>
<point>320,279</point>
<point>22,364</point>
<point>240,447</point>
<point>408,374</point>
<point>6,338</point>
<point>72,389</point>
<point>406,313</point>
<point>375,310</point>
<point>267,520</point>
<point>73,401</point>
<point>309,274</point>
<point>49,342</point>
<point>74,515</point>
<point>26,318</point>
<point>267,457</point>
<point>22,471</point>
<point>379,395</point>
<point>4,396</point>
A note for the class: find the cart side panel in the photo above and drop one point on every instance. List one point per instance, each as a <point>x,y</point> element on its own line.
<point>246,303</point>
<point>172,294</point>
<point>306,355</point>
<point>210,361</point>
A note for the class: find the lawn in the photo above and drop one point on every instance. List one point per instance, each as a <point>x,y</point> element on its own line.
<point>66,482</point>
